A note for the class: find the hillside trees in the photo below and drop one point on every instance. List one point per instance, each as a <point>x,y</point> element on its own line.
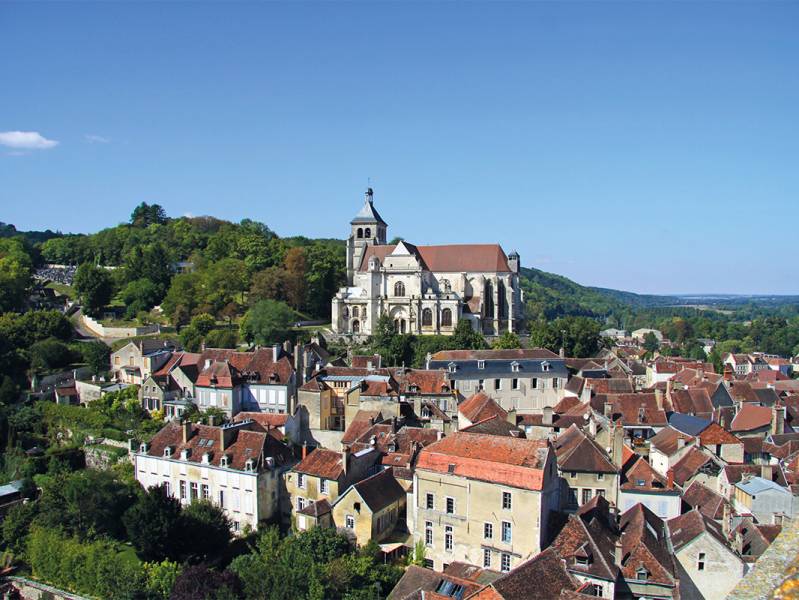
<point>267,322</point>
<point>94,287</point>
<point>16,267</point>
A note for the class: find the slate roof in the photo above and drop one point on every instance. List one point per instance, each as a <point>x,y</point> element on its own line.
<point>368,212</point>
<point>380,490</point>
<point>578,452</point>
<point>688,424</point>
<point>504,460</point>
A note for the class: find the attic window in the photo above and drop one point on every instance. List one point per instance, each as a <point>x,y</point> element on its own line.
<point>450,468</point>
<point>452,367</point>
<point>249,465</point>
<point>514,366</point>
<point>224,461</point>
<point>481,364</point>
<point>582,561</point>
<point>545,367</point>
<point>640,482</point>
<point>167,451</point>
<point>641,574</point>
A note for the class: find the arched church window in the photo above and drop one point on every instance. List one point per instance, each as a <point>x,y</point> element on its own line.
<point>345,312</point>
<point>355,311</point>
<point>488,300</point>
<point>356,326</point>
<point>427,317</point>
<point>446,317</point>
<point>359,233</point>
<point>367,233</point>
<point>399,289</point>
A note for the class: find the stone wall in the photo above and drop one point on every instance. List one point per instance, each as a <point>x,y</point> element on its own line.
<point>117,332</point>
<point>33,590</point>
<point>775,572</point>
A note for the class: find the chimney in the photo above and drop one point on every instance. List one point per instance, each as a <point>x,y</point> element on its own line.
<point>778,420</point>
<point>512,416</point>
<point>186,430</point>
<point>725,519</point>
<point>562,352</point>
<point>670,479</point>
<point>592,426</point>
<point>658,398</point>
<point>276,352</point>
<point>211,420</point>
<point>438,434</point>
<point>229,431</point>
<point>767,472</point>
<point>547,417</point>
<point>345,458</point>
<point>607,409</point>
<point>642,413</point>
<point>618,553</point>
<point>727,373</point>
<point>427,360</point>
<point>680,443</point>
<point>304,450</point>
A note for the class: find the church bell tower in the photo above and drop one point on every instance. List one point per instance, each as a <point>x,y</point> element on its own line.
<point>368,227</point>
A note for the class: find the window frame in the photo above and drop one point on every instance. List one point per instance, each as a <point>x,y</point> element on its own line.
<point>449,506</point>
<point>488,531</point>
<point>506,532</point>
<point>507,501</point>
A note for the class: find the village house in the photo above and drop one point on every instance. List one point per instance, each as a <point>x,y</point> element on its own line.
<point>370,509</point>
<point>483,499</point>
<point>236,468</point>
<point>259,381</point>
<point>424,289</point>
<point>524,380</point>
<point>712,566</point>
<point>135,361</point>
<point>642,484</point>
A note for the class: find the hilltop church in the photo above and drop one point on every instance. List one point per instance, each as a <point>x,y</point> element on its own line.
<point>424,289</point>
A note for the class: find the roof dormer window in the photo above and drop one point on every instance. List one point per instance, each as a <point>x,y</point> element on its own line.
<point>167,451</point>
<point>185,453</point>
<point>546,367</point>
<point>452,367</point>
<point>481,364</point>
<point>514,366</point>
<point>249,465</point>
<point>224,461</point>
<point>641,574</point>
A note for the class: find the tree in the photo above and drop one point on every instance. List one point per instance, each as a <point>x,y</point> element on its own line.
<point>16,268</point>
<point>222,338</point>
<point>16,525</point>
<point>153,525</point>
<point>269,284</point>
<point>466,338</point>
<point>201,583</point>
<point>267,322</point>
<point>651,343</point>
<point>94,287</point>
<point>49,354</point>
<point>140,295</point>
<point>202,516</point>
<point>182,298</point>
<point>97,356</point>
<point>193,336</point>
<point>507,341</point>
<point>578,336</point>
<point>145,215</point>
<point>296,285</point>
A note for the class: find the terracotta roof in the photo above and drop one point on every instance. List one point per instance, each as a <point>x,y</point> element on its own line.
<point>667,440</point>
<point>168,365</point>
<point>543,577</point>
<point>228,368</point>
<point>361,361</point>
<point>451,258</point>
<point>690,525</point>
<point>245,445</point>
<point>321,463</point>
<point>479,407</point>
<point>610,386</point>
<point>264,420</point>
<point>716,434</point>
<point>495,425</point>
<point>751,417</point>
<point>561,422</point>
<point>504,460</point>
<point>643,546</point>
<point>591,540</point>
<point>519,353</point>
<point>628,407</point>
<point>690,464</point>
<point>566,404</point>
<point>423,381</point>
<point>316,509</point>
<point>420,583</point>
<point>578,452</point>
<point>360,423</point>
<point>705,500</point>
<point>692,401</point>
<point>641,477</point>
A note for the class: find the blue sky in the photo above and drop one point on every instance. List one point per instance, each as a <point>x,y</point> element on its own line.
<point>645,146</point>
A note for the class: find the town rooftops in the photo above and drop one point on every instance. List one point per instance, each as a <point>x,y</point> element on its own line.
<point>688,424</point>
<point>587,543</point>
<point>687,527</point>
<point>263,421</point>
<point>692,401</point>
<point>494,425</point>
<point>316,509</point>
<point>323,463</point>
<point>715,434</point>
<point>644,550</point>
<point>578,452</point>
<point>228,368</point>
<point>751,417</point>
<point>757,485</point>
<point>635,410</point>
<point>418,583</point>
<point>379,491</point>
<point>641,477</point>
<point>479,407</point>
<point>705,500</point>
<point>667,440</point>
<point>503,460</point>
<point>543,577</point>
<point>690,464</point>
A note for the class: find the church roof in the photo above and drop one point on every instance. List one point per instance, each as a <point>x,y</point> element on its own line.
<point>368,213</point>
<point>449,258</point>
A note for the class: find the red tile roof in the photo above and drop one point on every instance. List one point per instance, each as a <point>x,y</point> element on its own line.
<point>751,417</point>
<point>629,406</point>
<point>577,452</point>
<point>451,258</point>
<point>705,500</point>
<point>715,434</point>
<point>644,545</point>
<point>641,477</point>
<point>264,420</point>
<point>689,465</point>
<point>228,368</point>
<point>321,463</point>
<point>480,407</point>
<point>504,460</point>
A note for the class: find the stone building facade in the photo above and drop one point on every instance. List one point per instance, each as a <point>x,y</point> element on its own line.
<point>424,289</point>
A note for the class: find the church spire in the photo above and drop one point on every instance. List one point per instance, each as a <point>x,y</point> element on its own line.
<point>368,214</point>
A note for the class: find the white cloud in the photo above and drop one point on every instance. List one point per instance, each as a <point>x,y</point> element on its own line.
<point>26,140</point>
<point>96,139</point>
